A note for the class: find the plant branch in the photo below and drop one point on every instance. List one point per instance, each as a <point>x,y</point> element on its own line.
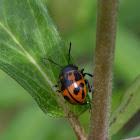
<point>104,59</point>
<point>77,127</point>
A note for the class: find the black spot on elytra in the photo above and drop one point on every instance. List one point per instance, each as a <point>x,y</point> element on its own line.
<point>76,90</point>
<point>81,85</point>
<point>77,76</point>
<point>70,73</point>
<point>67,98</point>
<point>83,94</point>
<point>66,82</point>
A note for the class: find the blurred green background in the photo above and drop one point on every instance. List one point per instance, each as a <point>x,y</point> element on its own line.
<point>20,116</point>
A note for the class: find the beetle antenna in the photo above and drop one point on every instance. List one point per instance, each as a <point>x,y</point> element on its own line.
<point>53,62</point>
<point>69,54</point>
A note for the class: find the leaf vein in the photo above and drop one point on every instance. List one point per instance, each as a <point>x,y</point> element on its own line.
<point>37,26</point>
<point>27,54</point>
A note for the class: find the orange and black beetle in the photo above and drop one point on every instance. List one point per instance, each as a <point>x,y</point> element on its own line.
<point>72,83</point>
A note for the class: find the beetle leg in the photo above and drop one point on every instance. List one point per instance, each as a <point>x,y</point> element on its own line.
<point>86,81</point>
<point>56,85</point>
<point>81,70</point>
<point>86,104</point>
<point>89,74</point>
<point>58,91</point>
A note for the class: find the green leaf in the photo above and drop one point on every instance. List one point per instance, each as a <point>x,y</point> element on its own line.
<point>135,132</point>
<point>27,35</point>
<point>128,106</point>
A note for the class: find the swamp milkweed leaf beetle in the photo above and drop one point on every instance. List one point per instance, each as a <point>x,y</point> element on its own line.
<point>72,83</point>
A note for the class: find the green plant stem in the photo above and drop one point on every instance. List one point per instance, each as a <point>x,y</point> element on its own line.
<point>77,127</point>
<point>104,59</point>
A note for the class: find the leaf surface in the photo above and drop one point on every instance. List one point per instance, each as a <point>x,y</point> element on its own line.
<point>127,108</point>
<point>27,35</point>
